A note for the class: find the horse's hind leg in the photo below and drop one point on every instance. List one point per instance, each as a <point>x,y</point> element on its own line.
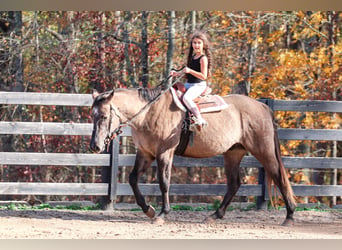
<point>232,159</point>
<point>142,162</point>
<point>276,172</point>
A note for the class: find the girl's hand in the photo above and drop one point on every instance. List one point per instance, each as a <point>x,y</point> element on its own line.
<point>186,70</point>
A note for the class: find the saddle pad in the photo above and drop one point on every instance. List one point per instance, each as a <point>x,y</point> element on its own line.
<point>206,104</point>
<point>211,103</point>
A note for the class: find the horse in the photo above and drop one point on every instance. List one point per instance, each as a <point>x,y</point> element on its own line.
<point>247,125</point>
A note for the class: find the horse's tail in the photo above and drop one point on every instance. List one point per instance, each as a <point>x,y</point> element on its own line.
<point>288,192</point>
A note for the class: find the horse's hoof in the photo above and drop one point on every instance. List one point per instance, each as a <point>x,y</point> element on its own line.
<point>158,221</point>
<point>151,212</point>
<point>288,223</point>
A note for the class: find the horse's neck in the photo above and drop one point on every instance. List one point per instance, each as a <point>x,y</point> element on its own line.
<point>127,102</point>
<point>130,104</point>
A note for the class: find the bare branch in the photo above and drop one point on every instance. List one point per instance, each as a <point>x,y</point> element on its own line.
<point>58,36</point>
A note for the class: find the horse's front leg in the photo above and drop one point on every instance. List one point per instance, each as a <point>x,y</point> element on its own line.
<point>142,162</point>
<point>164,162</point>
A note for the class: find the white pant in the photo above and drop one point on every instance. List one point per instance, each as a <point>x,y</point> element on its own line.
<point>193,90</point>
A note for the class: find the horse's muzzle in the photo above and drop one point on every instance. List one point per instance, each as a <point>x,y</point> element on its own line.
<point>95,148</point>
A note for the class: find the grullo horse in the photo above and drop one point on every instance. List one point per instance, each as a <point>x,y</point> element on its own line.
<point>156,122</point>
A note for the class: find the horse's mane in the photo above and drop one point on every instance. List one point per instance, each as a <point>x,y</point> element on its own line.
<point>147,94</point>
<point>150,94</point>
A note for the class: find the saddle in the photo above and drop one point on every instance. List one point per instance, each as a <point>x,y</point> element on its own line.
<point>206,102</point>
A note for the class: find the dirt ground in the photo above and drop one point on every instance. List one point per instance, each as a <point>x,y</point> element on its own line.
<point>118,224</point>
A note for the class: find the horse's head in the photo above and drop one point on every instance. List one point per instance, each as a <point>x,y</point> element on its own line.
<point>105,119</point>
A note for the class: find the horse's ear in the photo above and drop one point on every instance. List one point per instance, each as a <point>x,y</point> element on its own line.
<point>95,93</point>
<point>111,94</point>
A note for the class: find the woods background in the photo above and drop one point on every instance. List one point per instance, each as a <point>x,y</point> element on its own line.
<point>293,55</point>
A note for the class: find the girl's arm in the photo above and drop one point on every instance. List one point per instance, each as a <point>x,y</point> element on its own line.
<point>204,69</point>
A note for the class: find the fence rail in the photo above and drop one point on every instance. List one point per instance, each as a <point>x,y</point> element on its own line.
<point>57,128</point>
<point>113,161</point>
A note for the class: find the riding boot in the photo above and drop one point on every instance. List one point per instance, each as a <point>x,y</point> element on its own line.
<point>200,121</point>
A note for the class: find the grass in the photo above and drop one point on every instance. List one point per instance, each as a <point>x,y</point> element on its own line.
<point>208,207</point>
<point>13,206</point>
<point>211,207</point>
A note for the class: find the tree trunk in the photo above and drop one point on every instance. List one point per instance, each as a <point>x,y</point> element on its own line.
<point>171,44</point>
<point>252,56</point>
<point>17,60</point>
<point>71,51</point>
<point>144,49</point>
<point>128,62</point>
<point>14,72</point>
<point>193,24</point>
<point>98,76</point>
<point>332,18</point>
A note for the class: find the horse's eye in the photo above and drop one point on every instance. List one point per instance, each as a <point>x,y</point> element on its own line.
<point>104,117</point>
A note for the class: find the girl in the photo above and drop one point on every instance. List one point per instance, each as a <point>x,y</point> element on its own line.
<point>197,71</point>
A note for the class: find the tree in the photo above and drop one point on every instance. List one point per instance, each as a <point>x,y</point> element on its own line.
<point>275,54</point>
<point>11,68</point>
<point>171,43</point>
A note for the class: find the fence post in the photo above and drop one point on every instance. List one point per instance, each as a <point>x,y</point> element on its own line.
<point>105,178</point>
<point>114,166</point>
<point>109,174</point>
<point>263,200</point>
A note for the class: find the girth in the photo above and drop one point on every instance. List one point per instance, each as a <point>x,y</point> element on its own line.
<point>185,137</point>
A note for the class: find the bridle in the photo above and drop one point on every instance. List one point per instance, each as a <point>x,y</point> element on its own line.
<point>111,136</point>
<point>116,131</point>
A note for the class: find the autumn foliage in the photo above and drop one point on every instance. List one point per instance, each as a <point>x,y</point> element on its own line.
<point>289,55</point>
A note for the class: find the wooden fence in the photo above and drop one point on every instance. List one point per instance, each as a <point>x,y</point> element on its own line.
<point>113,161</point>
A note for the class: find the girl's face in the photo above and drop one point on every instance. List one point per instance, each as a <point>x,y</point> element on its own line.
<point>197,45</point>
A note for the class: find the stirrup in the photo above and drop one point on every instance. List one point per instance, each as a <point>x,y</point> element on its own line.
<point>197,124</point>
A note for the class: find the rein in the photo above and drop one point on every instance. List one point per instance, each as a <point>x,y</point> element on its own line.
<point>118,130</point>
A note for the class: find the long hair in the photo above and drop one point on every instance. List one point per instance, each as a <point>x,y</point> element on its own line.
<point>206,47</point>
